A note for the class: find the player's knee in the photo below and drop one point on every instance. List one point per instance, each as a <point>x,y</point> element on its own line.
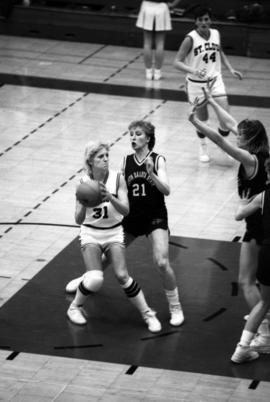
<point>246,281</point>
<point>122,277</point>
<point>93,280</point>
<point>161,263</point>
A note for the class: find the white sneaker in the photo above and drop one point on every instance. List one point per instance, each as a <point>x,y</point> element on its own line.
<point>261,343</point>
<point>244,354</point>
<point>177,315</point>
<point>203,153</point>
<point>149,74</point>
<point>152,321</point>
<point>75,315</point>
<point>73,285</point>
<point>157,74</point>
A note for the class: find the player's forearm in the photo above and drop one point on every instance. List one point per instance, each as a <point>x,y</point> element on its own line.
<point>121,206</point>
<point>80,213</point>
<point>245,210</point>
<point>181,66</point>
<point>226,63</point>
<point>223,115</point>
<point>163,187</point>
<point>207,131</point>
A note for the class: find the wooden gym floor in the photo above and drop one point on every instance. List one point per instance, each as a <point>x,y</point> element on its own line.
<point>55,96</point>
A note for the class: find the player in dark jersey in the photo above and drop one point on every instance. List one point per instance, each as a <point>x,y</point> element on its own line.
<point>251,151</point>
<point>249,345</point>
<point>147,183</point>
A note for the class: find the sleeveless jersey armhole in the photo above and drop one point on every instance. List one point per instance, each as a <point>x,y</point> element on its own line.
<point>124,165</point>
<point>157,160</point>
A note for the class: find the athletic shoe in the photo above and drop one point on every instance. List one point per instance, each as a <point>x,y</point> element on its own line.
<point>177,315</point>
<point>75,315</point>
<point>243,354</point>
<point>157,75</point>
<point>73,285</point>
<point>203,153</point>
<point>152,321</point>
<point>261,343</point>
<point>149,74</point>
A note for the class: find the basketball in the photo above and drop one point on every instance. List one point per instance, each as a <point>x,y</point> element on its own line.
<point>89,193</point>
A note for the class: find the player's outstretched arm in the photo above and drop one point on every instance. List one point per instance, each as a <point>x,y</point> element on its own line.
<point>221,113</point>
<point>234,151</point>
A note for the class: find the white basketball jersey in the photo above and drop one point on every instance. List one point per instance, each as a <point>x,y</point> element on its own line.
<point>205,54</point>
<point>104,215</point>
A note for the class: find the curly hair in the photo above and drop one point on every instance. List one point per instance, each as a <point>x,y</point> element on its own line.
<point>148,128</point>
<point>255,136</point>
<point>91,149</point>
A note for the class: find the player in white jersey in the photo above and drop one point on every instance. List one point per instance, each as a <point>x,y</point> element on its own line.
<point>101,232</point>
<point>201,57</point>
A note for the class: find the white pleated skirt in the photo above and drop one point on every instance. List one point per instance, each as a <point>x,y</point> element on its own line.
<point>154,16</point>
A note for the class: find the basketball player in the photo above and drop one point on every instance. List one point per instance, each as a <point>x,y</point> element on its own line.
<point>147,183</point>
<point>101,232</point>
<point>251,151</point>
<point>200,56</point>
<point>247,348</point>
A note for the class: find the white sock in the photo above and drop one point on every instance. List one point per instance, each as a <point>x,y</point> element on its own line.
<point>172,296</point>
<point>135,295</point>
<point>246,338</point>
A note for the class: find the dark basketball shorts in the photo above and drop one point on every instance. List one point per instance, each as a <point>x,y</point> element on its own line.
<point>263,271</point>
<point>254,233</point>
<point>139,227</point>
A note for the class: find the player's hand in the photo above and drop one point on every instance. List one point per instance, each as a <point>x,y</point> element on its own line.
<point>149,165</point>
<point>208,89</point>
<point>105,194</point>
<point>237,74</point>
<point>201,73</point>
<point>245,197</point>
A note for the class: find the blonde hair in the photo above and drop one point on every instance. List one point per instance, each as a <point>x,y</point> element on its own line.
<point>91,149</point>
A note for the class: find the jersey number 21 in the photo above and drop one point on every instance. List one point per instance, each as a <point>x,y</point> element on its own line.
<point>138,190</point>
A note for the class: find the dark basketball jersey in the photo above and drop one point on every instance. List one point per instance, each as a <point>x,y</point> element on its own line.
<point>266,215</point>
<point>144,197</point>
<point>255,185</point>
